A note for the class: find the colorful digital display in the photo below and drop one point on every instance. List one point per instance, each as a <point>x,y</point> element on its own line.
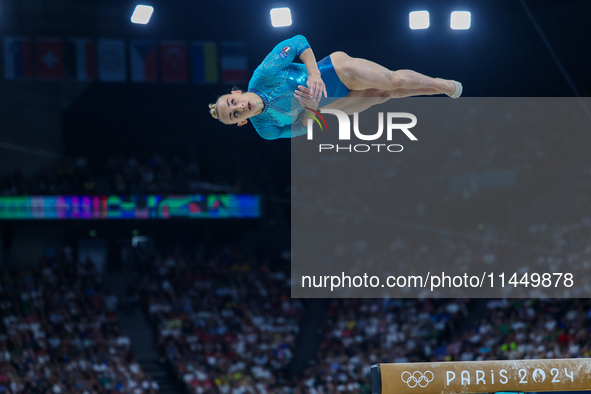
<point>194,206</point>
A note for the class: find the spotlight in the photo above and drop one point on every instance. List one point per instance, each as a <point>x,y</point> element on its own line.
<point>460,20</point>
<point>418,20</point>
<point>281,17</point>
<point>142,14</point>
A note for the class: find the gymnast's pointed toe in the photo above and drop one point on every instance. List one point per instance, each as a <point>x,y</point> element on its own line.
<point>458,91</point>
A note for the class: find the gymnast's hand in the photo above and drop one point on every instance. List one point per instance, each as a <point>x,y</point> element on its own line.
<point>316,86</point>
<point>303,95</point>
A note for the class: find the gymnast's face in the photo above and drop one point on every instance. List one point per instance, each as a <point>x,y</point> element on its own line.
<point>235,108</point>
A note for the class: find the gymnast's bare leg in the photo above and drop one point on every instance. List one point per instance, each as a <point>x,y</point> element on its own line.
<point>360,74</point>
<point>360,100</point>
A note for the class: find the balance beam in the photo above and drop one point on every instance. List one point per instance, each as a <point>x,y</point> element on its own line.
<point>473,377</point>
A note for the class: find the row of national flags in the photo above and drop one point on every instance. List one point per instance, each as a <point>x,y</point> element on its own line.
<point>118,60</point>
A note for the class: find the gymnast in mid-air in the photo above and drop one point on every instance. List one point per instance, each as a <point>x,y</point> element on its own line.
<point>268,101</point>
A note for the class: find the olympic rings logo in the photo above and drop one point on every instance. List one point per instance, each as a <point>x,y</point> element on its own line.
<point>417,378</point>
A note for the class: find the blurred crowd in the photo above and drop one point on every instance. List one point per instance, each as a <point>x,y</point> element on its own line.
<point>59,333</point>
<point>362,332</point>
<point>375,331</point>
<point>225,322</point>
<point>513,329</point>
<point>156,174</point>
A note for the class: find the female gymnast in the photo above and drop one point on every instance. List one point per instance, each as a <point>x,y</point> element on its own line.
<point>268,101</point>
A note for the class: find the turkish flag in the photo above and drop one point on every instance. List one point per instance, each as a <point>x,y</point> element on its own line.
<point>49,56</point>
<point>174,61</point>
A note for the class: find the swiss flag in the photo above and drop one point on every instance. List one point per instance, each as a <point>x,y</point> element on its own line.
<point>49,58</point>
<point>174,61</point>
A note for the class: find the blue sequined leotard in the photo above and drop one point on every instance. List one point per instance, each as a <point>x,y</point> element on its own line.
<point>277,78</point>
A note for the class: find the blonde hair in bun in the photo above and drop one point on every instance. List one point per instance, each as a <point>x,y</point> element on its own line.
<point>213,111</point>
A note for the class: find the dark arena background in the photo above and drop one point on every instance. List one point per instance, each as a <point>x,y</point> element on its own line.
<point>145,247</point>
